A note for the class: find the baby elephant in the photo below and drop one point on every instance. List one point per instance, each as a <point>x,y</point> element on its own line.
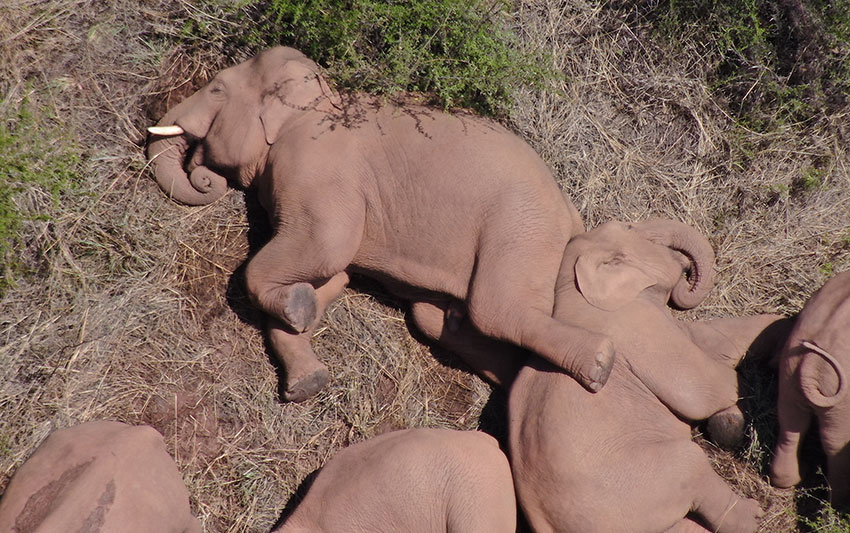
<point>812,381</point>
<point>623,459</point>
<point>98,476</point>
<point>413,480</point>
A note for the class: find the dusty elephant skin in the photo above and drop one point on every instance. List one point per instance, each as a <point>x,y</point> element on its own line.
<point>623,459</point>
<point>98,476</point>
<point>413,480</point>
<point>813,382</point>
<point>438,207</point>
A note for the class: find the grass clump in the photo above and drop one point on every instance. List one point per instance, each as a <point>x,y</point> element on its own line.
<point>38,163</point>
<point>460,53</point>
<point>776,63</point>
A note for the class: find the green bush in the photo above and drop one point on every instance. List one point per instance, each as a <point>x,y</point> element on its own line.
<point>457,52</point>
<point>36,159</point>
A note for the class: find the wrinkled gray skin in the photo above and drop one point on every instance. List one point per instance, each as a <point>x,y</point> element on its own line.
<point>813,382</point>
<point>98,476</point>
<point>623,459</point>
<point>438,207</point>
<point>413,480</point>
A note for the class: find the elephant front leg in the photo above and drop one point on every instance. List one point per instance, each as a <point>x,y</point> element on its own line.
<point>729,339</point>
<point>305,374</point>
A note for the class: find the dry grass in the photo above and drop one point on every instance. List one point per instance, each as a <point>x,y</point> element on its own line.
<point>138,311</point>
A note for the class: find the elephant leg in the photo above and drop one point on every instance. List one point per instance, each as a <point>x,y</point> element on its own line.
<point>835,438</point>
<point>795,417</point>
<point>305,374</point>
<point>729,339</point>
<point>686,525</point>
<point>496,361</point>
<point>714,501</point>
<point>511,298</point>
<point>838,474</point>
<point>281,277</point>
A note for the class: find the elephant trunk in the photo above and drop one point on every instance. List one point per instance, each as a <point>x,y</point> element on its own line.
<point>694,287</point>
<point>821,377</point>
<point>167,152</point>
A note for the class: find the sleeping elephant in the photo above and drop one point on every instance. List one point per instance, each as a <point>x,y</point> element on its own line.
<point>439,207</point>
<point>813,382</point>
<point>623,459</point>
<point>98,476</point>
<point>412,480</point>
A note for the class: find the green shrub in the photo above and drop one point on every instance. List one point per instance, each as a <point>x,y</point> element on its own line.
<point>36,159</point>
<point>457,52</point>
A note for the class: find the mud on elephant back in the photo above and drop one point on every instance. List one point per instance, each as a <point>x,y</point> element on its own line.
<point>99,476</point>
<point>813,383</point>
<point>439,207</point>
<point>632,466</point>
<point>412,480</point>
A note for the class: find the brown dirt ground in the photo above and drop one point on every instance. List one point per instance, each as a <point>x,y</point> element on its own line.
<point>139,314</point>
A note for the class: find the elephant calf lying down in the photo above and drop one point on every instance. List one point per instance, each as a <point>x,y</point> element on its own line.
<point>813,382</point>
<point>98,476</point>
<point>623,459</point>
<point>439,207</point>
<point>413,480</point>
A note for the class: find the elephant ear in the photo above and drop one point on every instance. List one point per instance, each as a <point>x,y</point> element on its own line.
<point>608,280</point>
<point>299,88</point>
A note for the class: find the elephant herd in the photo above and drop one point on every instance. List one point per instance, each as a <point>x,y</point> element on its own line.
<point>458,216</point>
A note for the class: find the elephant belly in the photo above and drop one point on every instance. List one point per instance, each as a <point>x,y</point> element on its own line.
<point>597,462</point>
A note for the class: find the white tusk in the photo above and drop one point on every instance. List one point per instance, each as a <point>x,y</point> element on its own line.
<point>166,130</point>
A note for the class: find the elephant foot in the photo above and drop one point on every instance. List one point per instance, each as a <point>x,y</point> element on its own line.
<point>727,428</point>
<point>595,377</point>
<point>300,388</point>
<point>784,472</point>
<point>300,306</point>
<point>743,517</point>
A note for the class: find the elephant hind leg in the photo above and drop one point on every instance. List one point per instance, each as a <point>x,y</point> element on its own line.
<point>496,361</point>
<point>795,417</point>
<point>518,309</point>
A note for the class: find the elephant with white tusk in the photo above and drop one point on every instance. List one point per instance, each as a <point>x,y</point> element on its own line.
<point>813,383</point>
<point>439,207</point>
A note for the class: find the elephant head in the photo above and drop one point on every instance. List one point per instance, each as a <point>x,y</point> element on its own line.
<point>227,127</point>
<point>617,261</point>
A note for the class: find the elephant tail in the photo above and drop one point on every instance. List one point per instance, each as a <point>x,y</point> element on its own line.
<point>812,372</point>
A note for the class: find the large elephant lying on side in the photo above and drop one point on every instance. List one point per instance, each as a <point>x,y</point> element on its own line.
<point>413,480</point>
<point>99,476</point>
<point>813,382</point>
<point>437,206</point>
<point>623,459</point>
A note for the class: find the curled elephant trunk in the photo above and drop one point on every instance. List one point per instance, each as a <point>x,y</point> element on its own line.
<point>167,151</point>
<point>694,287</point>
